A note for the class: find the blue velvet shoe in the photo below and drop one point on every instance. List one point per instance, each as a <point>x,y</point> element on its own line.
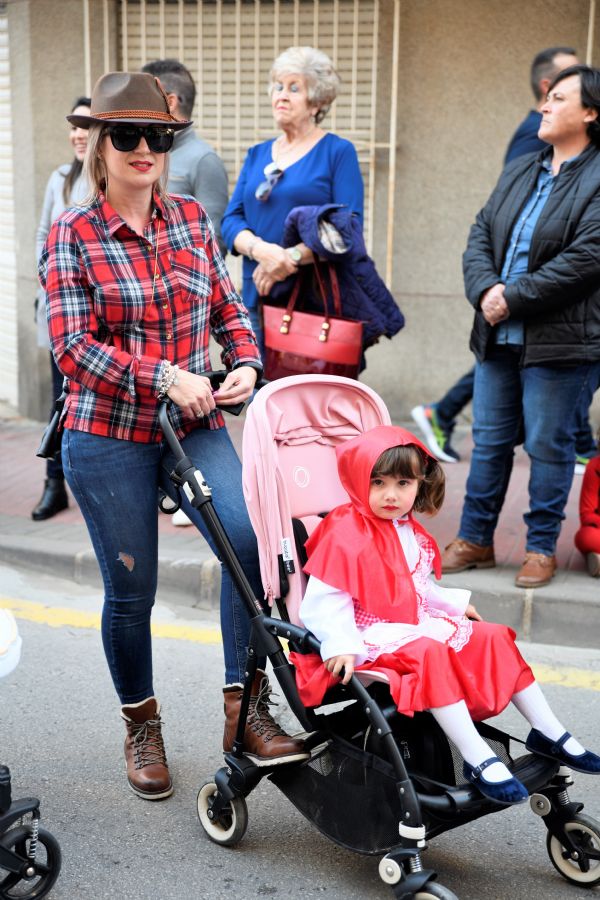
<point>506,793</point>
<point>588,762</point>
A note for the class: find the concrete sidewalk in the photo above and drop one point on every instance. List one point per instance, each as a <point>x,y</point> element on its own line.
<point>567,611</point>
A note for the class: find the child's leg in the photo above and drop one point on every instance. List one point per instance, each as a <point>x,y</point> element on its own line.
<point>457,724</point>
<point>532,704</point>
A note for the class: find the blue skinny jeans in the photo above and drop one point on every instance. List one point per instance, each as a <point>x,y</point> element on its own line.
<point>115,483</point>
<point>542,402</point>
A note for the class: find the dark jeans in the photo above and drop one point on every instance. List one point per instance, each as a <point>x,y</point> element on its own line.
<point>54,467</point>
<point>542,402</point>
<point>115,483</point>
<point>256,320</point>
<point>455,400</point>
<point>461,393</point>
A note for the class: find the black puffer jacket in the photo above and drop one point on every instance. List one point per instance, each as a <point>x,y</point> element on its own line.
<point>559,299</point>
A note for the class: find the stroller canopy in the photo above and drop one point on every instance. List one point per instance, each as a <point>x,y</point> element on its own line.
<point>289,468</point>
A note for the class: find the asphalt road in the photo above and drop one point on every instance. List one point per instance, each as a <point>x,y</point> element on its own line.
<point>61,735</point>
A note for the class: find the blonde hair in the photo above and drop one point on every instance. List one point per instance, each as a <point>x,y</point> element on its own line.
<point>94,168</point>
<point>322,81</point>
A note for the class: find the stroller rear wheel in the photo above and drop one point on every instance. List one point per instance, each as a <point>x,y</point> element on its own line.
<point>229,827</point>
<point>46,865</point>
<point>585,834</point>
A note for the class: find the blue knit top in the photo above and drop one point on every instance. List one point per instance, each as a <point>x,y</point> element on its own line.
<point>328,173</point>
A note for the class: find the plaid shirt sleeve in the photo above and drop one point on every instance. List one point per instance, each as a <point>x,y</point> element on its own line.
<point>75,330</point>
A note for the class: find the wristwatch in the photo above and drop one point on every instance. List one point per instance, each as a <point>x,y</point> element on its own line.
<point>295,255</point>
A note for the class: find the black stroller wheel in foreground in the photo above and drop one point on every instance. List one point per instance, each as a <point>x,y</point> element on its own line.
<point>392,873</point>
<point>585,834</point>
<point>435,891</point>
<point>45,866</point>
<point>228,827</point>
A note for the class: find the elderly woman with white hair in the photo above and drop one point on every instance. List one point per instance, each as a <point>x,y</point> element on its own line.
<point>304,165</point>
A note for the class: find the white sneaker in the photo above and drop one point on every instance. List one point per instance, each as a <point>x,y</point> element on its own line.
<point>10,642</point>
<point>180,518</point>
<point>436,439</point>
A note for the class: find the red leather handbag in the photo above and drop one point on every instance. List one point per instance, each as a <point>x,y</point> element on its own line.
<point>302,343</point>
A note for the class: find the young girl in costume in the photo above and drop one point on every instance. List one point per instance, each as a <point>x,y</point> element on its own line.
<point>372,604</point>
<point>587,539</point>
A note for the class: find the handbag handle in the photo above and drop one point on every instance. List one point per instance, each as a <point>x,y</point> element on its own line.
<point>286,319</point>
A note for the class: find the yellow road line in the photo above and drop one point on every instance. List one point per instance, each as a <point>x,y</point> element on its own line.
<point>572,678</point>
<point>60,617</point>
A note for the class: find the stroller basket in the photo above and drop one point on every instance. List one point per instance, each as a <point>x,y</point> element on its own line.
<point>348,794</point>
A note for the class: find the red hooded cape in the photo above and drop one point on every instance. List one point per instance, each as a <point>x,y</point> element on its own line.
<point>354,550</point>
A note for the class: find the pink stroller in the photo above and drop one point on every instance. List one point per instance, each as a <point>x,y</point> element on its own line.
<point>376,782</point>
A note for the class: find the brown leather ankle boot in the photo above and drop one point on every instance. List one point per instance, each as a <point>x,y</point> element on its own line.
<point>147,771</point>
<point>265,742</point>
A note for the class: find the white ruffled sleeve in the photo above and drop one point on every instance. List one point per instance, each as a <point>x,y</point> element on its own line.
<point>453,601</point>
<point>329,614</point>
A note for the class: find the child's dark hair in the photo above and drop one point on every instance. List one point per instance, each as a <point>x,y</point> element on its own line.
<point>409,462</point>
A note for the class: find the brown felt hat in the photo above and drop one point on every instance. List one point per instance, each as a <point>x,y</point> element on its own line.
<point>128,98</point>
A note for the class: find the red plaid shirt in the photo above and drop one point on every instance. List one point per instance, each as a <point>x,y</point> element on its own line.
<point>110,339</point>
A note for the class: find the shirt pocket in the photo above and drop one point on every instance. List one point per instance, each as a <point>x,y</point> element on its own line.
<point>122,303</point>
<point>191,269</point>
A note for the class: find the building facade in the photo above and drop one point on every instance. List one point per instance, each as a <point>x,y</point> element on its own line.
<point>431,93</point>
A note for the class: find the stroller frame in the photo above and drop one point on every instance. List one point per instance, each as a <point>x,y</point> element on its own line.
<point>427,809</point>
<point>19,845</point>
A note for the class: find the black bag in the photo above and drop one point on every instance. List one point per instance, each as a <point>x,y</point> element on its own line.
<point>51,439</point>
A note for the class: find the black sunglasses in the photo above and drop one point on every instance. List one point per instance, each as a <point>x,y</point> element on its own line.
<point>127,137</point>
<point>272,174</point>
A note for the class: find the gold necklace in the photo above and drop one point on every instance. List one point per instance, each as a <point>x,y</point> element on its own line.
<point>278,152</point>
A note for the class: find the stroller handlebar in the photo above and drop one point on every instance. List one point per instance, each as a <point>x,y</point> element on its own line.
<point>216,378</point>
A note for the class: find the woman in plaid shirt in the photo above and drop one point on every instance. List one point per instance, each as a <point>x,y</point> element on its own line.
<point>135,286</point>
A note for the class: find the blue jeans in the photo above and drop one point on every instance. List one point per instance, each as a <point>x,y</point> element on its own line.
<point>541,402</point>
<point>256,320</point>
<point>454,400</point>
<point>116,483</point>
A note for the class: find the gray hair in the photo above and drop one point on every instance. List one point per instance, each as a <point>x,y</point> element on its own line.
<point>94,169</point>
<point>322,81</point>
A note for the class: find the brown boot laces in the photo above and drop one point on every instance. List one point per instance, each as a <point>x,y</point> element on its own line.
<point>148,745</point>
<point>260,719</point>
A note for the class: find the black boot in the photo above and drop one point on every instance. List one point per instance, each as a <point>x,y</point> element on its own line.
<point>53,500</point>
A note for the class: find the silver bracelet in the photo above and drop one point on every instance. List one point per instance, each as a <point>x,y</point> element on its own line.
<point>168,378</point>
<point>250,248</point>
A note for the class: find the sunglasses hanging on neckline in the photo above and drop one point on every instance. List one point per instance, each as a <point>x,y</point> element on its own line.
<point>272,174</point>
<point>125,138</point>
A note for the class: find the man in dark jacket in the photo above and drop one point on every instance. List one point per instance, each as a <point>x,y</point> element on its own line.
<point>532,272</point>
<point>544,68</point>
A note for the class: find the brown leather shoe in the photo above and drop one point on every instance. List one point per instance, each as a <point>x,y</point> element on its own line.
<point>265,742</point>
<point>593,564</point>
<point>537,570</point>
<point>147,771</point>
<point>460,555</point>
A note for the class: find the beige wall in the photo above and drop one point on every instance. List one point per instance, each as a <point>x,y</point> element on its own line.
<point>464,88</point>
<point>46,67</point>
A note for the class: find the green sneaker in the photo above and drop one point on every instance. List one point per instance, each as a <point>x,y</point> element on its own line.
<point>436,437</point>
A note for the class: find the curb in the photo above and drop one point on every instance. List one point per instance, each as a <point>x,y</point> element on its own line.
<point>567,615</point>
<point>186,582</point>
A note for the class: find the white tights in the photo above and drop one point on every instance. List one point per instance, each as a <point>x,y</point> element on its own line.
<point>455,721</point>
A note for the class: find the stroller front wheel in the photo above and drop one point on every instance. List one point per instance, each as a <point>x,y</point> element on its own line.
<point>229,827</point>
<point>45,865</point>
<point>435,891</point>
<point>585,869</point>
